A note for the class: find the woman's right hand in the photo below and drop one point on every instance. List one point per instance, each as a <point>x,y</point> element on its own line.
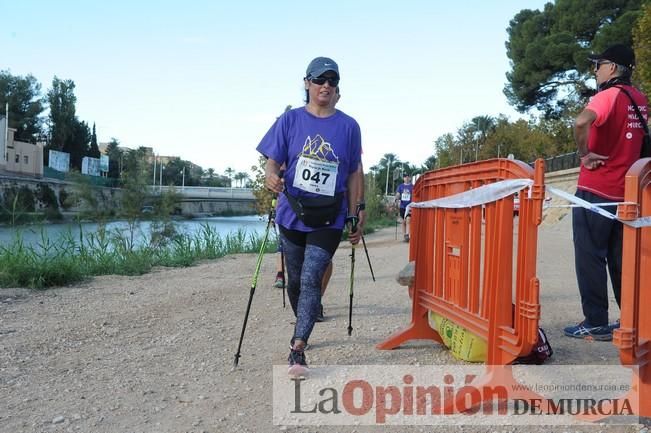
<point>273,177</point>
<point>274,183</point>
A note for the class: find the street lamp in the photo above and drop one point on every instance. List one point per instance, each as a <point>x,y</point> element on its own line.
<point>160,187</point>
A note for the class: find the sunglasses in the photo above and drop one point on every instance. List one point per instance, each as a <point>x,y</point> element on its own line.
<point>333,82</point>
<point>597,64</point>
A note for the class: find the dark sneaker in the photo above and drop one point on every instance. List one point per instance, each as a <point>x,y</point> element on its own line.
<point>583,330</point>
<point>320,317</point>
<point>280,282</point>
<point>614,325</point>
<point>406,238</point>
<point>297,363</point>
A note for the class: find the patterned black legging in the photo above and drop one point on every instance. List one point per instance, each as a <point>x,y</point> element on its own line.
<point>307,255</point>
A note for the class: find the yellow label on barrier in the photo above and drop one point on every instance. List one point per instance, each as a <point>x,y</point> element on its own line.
<point>462,343</point>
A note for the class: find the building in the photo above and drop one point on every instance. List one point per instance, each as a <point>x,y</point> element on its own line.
<point>18,156</point>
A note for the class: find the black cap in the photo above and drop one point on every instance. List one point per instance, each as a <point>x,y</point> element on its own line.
<point>619,53</point>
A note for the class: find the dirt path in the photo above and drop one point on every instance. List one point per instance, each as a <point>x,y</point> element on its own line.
<point>154,353</point>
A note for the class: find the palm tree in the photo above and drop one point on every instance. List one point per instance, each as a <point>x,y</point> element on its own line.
<point>238,178</point>
<point>480,127</point>
<point>229,172</point>
<point>388,161</point>
<point>243,178</point>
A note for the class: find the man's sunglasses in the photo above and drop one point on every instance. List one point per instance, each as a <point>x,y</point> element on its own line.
<point>597,64</point>
<point>334,82</point>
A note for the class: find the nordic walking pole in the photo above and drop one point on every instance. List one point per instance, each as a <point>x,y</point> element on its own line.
<point>282,263</point>
<point>255,280</point>
<point>353,222</point>
<point>368,258</point>
<point>282,268</point>
<point>397,225</point>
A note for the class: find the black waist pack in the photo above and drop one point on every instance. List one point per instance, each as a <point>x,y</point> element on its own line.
<point>316,211</point>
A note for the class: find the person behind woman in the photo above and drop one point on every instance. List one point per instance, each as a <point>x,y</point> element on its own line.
<point>321,147</point>
<point>403,198</point>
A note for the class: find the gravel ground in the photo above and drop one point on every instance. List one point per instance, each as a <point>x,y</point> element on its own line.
<point>154,353</point>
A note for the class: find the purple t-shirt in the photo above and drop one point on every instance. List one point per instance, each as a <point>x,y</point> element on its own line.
<point>405,190</point>
<point>326,152</point>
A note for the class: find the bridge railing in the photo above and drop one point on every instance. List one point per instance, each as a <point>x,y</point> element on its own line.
<point>206,192</point>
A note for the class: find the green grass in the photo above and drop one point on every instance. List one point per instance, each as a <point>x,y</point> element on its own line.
<point>72,258</point>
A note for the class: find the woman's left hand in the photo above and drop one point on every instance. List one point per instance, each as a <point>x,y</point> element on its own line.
<point>354,236</point>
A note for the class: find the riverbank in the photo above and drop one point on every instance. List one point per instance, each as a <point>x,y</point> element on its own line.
<point>153,353</point>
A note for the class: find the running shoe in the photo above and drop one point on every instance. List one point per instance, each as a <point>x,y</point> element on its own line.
<point>583,330</point>
<point>297,363</point>
<point>280,281</point>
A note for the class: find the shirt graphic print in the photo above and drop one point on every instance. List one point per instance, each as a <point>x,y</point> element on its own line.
<point>316,168</point>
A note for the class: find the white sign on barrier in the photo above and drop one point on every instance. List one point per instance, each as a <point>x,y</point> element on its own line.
<point>59,161</point>
<point>90,166</point>
<point>104,163</point>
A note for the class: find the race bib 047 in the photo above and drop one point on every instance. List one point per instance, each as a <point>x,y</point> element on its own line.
<point>319,177</point>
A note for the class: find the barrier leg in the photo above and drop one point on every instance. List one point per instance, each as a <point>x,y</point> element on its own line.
<point>636,402</point>
<point>497,385</point>
<point>418,329</point>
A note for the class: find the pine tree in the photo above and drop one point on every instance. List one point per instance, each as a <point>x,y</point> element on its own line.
<point>94,148</point>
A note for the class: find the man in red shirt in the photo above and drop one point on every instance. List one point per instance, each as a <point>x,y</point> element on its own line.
<point>608,135</point>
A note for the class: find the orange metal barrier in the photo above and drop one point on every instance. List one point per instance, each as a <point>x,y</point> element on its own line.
<point>464,263</point>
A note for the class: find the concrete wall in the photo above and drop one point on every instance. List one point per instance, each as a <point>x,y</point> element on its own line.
<point>206,208</point>
<point>107,197</point>
<point>566,181</point>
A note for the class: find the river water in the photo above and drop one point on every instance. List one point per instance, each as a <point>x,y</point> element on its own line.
<point>32,235</point>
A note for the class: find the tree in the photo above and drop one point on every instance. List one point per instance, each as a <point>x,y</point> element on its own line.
<point>548,50</point>
<point>240,177</point>
<point>480,127</point>
<point>447,151</point>
<point>229,172</point>
<point>642,47</point>
<point>94,148</point>
<point>67,132</point>
<point>25,105</point>
<point>384,180</point>
<point>430,163</point>
<point>115,155</point>
<point>78,144</point>
<point>62,99</point>
<point>263,197</point>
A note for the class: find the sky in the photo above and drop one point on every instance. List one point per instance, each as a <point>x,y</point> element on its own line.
<point>204,80</point>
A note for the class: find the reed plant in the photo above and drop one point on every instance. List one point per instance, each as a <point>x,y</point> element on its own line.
<point>73,257</point>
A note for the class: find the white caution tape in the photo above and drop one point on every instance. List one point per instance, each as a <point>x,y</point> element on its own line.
<point>582,203</point>
<point>477,196</point>
<point>498,190</point>
<point>594,207</point>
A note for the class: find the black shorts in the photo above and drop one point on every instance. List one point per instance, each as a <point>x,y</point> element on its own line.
<point>328,239</point>
<point>402,213</point>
